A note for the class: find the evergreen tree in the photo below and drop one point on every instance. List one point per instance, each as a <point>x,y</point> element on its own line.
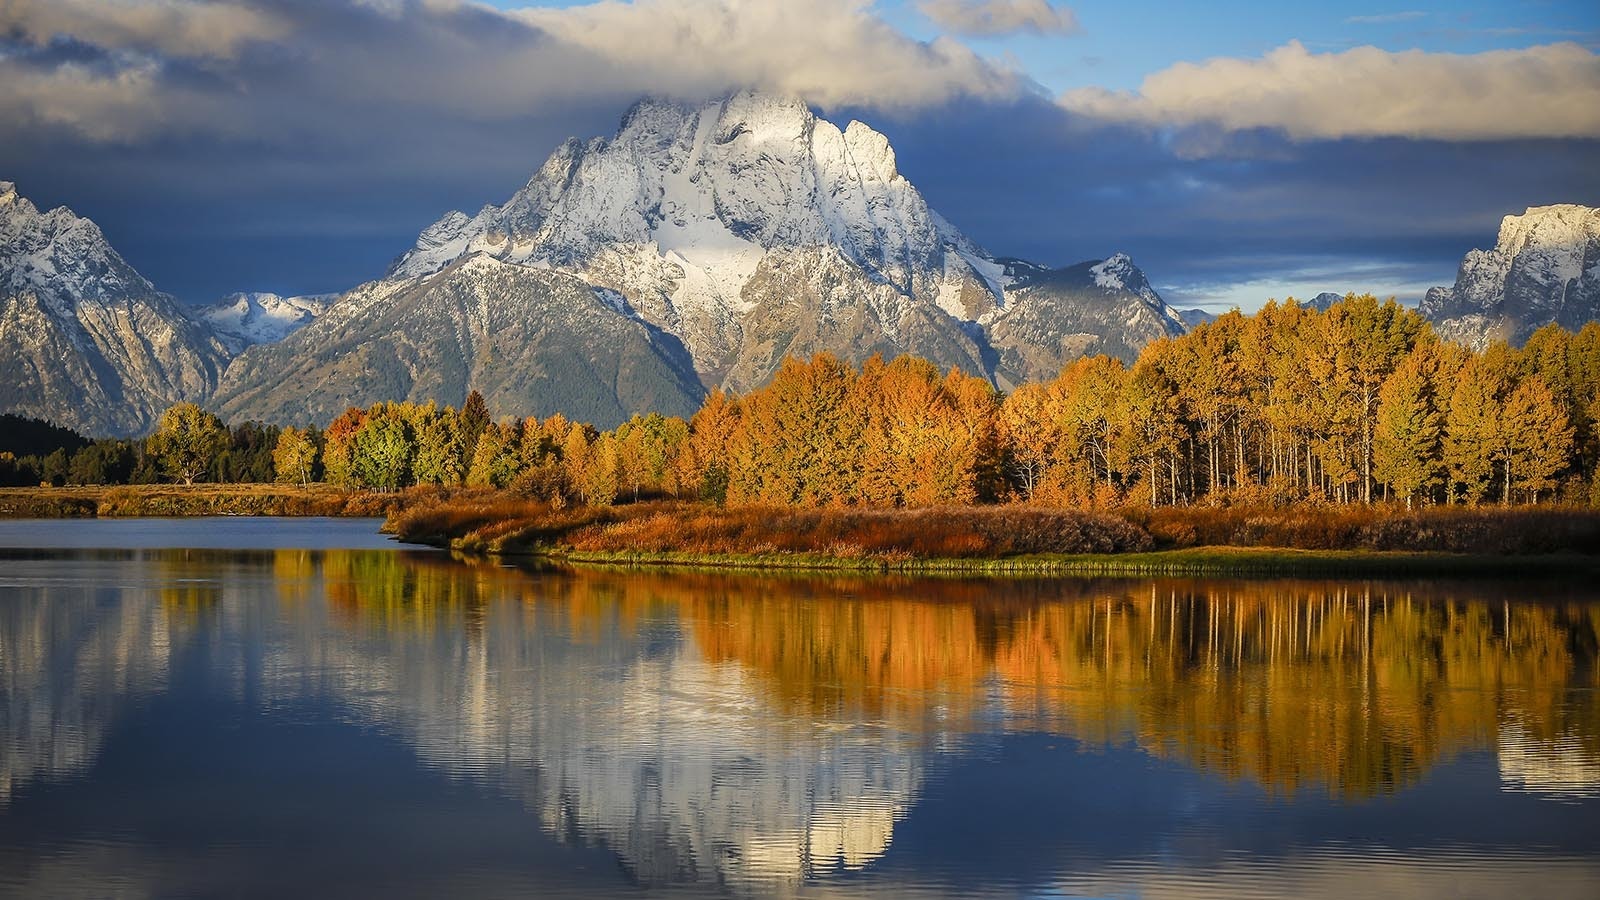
<point>473,419</point>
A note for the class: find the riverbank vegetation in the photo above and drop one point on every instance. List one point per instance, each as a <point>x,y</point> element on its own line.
<point>1354,428</point>
<point>1377,539</point>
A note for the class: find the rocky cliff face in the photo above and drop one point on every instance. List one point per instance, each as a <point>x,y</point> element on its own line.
<point>86,341</point>
<point>1544,268</point>
<point>735,232</point>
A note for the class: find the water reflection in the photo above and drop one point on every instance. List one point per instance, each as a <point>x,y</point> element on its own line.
<point>775,735</point>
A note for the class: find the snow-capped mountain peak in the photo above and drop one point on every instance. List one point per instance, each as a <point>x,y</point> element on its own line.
<point>713,239</point>
<point>59,255</point>
<point>1115,272</point>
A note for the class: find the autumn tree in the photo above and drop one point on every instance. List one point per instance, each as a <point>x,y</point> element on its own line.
<point>186,441</point>
<point>1029,433</point>
<point>441,454</point>
<point>295,456</point>
<point>383,449</point>
<point>1377,336</point>
<point>1472,432</point>
<point>497,458</point>
<point>602,477</point>
<point>338,443</point>
<point>799,437</point>
<point>710,445</point>
<point>1409,429</point>
<point>1537,438</point>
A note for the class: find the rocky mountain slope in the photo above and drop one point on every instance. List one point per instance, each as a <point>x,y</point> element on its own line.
<point>730,234</point>
<point>533,341</point>
<point>85,341</point>
<point>1544,268</point>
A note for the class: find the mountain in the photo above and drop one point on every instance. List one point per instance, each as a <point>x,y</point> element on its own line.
<point>244,320</point>
<point>533,341</point>
<point>714,239</point>
<point>1544,268</point>
<point>1195,317</point>
<point>1052,316</point>
<point>85,341</point>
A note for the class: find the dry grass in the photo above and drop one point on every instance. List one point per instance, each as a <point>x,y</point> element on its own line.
<point>506,524</point>
<point>1447,529</point>
<point>502,522</point>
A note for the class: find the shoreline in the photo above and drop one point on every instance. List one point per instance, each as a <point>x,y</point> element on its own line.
<point>1270,562</point>
<point>1129,542</point>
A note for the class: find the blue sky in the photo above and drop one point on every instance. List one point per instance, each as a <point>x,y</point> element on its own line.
<point>299,145</point>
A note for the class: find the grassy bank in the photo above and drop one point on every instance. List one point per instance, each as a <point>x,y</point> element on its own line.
<point>201,500</point>
<point>1017,539</point>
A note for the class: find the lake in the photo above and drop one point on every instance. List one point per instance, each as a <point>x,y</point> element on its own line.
<point>249,707</point>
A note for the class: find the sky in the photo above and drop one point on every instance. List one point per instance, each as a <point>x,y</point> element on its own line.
<point>1238,151</point>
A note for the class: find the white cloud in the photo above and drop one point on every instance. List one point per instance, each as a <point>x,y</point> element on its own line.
<point>989,18</point>
<point>1550,91</point>
<point>827,51</point>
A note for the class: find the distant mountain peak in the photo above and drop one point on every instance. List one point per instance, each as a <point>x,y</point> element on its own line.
<point>85,340</point>
<point>246,319</point>
<point>1544,268</point>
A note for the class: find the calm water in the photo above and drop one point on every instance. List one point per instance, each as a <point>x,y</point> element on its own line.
<point>246,718</point>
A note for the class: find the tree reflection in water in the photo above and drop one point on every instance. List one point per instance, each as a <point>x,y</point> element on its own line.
<point>759,731</point>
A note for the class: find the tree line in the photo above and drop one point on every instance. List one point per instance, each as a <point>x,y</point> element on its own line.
<point>1359,403</point>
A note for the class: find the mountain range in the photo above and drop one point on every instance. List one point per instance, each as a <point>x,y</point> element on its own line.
<point>694,248</point>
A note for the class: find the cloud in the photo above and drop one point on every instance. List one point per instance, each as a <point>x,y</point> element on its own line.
<point>990,18</point>
<point>182,27</point>
<point>830,52</point>
<point>1386,18</point>
<point>329,70</point>
<point>1550,91</point>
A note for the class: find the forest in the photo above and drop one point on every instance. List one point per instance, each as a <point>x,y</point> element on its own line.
<point>1290,405</point>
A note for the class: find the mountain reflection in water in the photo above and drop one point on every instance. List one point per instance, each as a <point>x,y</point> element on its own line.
<point>761,735</point>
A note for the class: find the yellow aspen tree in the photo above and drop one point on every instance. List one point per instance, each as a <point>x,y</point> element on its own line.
<point>1538,437</point>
